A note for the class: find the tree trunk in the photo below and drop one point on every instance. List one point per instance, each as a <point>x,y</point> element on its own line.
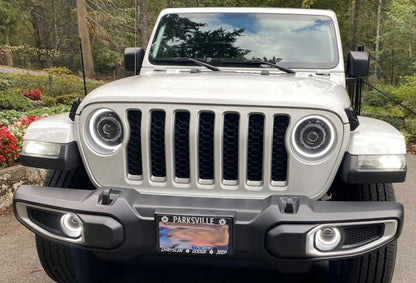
<point>85,38</point>
<point>355,24</point>
<point>8,54</point>
<point>41,36</point>
<point>143,23</point>
<point>54,32</point>
<point>377,48</point>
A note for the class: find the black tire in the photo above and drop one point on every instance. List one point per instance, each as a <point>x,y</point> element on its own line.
<point>61,262</point>
<point>377,266</point>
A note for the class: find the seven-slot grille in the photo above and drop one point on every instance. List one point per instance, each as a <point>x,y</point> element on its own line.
<point>241,137</point>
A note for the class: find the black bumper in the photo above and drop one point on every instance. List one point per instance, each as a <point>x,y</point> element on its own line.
<point>271,230</point>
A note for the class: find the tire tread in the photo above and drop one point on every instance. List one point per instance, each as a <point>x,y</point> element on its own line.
<point>377,266</point>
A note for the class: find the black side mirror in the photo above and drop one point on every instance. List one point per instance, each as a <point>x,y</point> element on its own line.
<point>133,59</point>
<point>358,64</point>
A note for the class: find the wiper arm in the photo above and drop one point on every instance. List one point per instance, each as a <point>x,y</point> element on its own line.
<point>186,59</point>
<point>258,62</point>
<point>281,68</point>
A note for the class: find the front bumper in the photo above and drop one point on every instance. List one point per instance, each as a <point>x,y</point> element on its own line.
<point>278,230</point>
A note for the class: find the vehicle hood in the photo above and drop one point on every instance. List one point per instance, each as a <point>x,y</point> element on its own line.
<point>225,88</point>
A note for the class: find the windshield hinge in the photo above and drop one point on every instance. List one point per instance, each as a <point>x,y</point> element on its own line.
<point>157,70</point>
<point>327,74</point>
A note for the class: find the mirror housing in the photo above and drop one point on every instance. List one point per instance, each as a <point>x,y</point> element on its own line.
<point>358,64</point>
<point>133,59</point>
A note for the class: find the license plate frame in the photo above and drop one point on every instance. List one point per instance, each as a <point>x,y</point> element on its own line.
<point>194,234</point>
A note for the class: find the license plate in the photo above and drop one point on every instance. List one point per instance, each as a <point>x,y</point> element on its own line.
<point>195,235</point>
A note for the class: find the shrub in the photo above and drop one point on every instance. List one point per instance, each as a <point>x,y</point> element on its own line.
<point>62,83</point>
<point>33,94</point>
<point>8,148</point>
<point>48,101</point>
<point>13,99</point>
<point>5,84</point>
<point>67,99</point>
<point>393,116</point>
<point>9,117</point>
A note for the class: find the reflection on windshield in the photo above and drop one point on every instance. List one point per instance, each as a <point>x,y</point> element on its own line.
<point>294,41</point>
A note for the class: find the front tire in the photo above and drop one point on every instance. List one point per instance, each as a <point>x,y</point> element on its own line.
<point>377,266</point>
<point>61,262</point>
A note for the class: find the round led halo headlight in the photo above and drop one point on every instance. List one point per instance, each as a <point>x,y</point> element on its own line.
<point>313,137</point>
<point>105,131</point>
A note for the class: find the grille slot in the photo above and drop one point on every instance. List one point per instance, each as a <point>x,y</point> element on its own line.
<point>206,145</point>
<point>157,143</point>
<point>279,154</point>
<point>134,147</point>
<point>255,148</point>
<point>182,145</point>
<point>230,146</point>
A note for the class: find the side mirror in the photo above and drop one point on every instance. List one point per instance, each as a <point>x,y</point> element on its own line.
<point>133,59</point>
<point>358,64</point>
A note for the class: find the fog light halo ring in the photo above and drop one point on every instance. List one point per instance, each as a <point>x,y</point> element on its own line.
<point>71,225</point>
<point>327,238</point>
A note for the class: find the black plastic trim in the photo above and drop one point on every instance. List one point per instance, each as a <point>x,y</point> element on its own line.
<point>352,117</point>
<point>69,158</point>
<point>255,221</point>
<point>350,174</point>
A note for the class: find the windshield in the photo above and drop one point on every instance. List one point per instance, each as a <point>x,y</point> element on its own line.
<point>227,39</point>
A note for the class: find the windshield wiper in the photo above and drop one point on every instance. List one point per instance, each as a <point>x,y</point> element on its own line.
<point>186,59</point>
<point>281,68</point>
<point>258,62</point>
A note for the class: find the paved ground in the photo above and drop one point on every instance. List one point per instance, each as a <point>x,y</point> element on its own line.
<point>19,262</point>
<point>6,69</point>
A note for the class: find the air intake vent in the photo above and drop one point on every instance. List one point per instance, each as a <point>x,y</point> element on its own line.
<point>279,156</point>
<point>255,148</point>
<point>157,141</point>
<point>206,145</point>
<point>230,150</point>
<point>360,235</point>
<point>134,148</point>
<point>182,145</point>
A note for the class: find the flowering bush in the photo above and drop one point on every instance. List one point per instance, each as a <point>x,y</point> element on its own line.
<point>33,94</point>
<point>19,128</point>
<point>8,148</point>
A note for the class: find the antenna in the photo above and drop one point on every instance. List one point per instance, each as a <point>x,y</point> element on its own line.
<point>136,19</point>
<point>82,67</point>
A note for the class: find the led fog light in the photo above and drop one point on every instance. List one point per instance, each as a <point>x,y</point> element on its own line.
<point>71,225</point>
<point>327,238</point>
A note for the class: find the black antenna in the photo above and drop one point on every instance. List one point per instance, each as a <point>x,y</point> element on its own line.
<point>82,67</point>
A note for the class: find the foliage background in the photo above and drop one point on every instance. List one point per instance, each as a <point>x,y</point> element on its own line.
<point>44,35</point>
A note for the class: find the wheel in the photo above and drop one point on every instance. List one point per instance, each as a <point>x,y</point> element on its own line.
<point>61,262</point>
<point>377,266</point>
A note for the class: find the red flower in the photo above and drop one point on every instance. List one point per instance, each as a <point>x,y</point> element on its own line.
<point>8,148</point>
<point>33,94</point>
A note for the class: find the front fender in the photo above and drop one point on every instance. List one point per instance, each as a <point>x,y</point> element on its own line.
<point>49,143</point>
<point>54,129</point>
<point>376,137</point>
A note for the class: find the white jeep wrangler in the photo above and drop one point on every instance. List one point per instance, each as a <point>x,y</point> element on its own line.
<point>235,141</point>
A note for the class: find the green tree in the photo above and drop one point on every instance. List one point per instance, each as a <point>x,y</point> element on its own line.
<point>8,19</point>
<point>398,40</point>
